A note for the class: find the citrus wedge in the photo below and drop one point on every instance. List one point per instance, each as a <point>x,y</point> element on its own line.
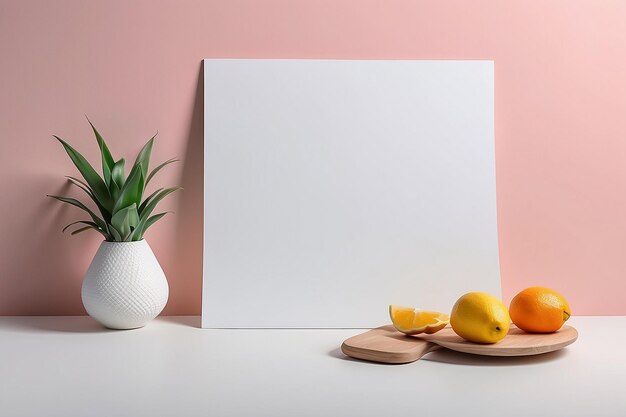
<point>409,320</point>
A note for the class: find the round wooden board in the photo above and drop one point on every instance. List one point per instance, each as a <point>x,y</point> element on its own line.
<point>516,343</point>
<point>386,345</point>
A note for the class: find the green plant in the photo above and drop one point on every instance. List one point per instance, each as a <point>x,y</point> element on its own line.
<point>123,215</point>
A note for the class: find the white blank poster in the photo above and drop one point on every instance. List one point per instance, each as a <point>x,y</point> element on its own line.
<point>335,188</point>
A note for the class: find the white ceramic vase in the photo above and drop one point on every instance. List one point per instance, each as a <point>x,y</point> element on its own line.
<point>125,287</point>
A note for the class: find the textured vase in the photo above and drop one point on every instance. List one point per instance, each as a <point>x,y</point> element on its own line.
<point>125,286</point>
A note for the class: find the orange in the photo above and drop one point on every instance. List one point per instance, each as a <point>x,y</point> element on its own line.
<point>409,320</point>
<point>539,310</point>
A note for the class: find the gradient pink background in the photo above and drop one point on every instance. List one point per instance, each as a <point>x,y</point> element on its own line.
<point>134,68</point>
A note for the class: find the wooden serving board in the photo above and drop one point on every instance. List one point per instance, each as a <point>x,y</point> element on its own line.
<point>387,345</point>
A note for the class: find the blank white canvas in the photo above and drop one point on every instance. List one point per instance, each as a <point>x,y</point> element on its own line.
<point>333,188</point>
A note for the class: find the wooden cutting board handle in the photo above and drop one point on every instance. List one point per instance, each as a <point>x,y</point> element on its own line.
<point>394,347</point>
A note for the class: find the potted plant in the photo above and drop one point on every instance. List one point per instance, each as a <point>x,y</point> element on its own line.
<point>125,287</point>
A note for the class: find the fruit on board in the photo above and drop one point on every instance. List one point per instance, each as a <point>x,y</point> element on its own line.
<point>480,317</point>
<point>539,310</point>
<point>409,320</point>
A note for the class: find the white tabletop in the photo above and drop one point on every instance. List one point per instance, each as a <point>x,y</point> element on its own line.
<point>69,366</point>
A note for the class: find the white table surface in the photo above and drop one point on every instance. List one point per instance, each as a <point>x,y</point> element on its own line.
<point>69,366</point>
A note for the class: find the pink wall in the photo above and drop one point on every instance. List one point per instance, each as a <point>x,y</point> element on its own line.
<point>133,67</point>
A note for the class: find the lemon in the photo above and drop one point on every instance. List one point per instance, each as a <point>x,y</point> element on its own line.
<point>480,317</point>
<point>409,320</point>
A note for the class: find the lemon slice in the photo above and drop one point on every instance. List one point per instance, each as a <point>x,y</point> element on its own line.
<point>409,320</point>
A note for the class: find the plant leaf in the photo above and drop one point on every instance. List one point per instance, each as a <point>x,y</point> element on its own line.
<point>75,181</point>
<point>117,173</point>
<point>153,219</point>
<point>90,225</point>
<point>117,179</point>
<point>114,190</point>
<point>97,185</point>
<point>81,185</point>
<point>80,221</point>
<point>145,224</point>
<point>107,159</point>
<point>82,229</point>
<point>157,169</point>
<point>143,157</point>
<point>132,190</point>
<point>154,201</point>
<point>125,221</point>
<point>78,182</point>
<point>72,201</point>
<point>115,234</point>
<point>147,200</point>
